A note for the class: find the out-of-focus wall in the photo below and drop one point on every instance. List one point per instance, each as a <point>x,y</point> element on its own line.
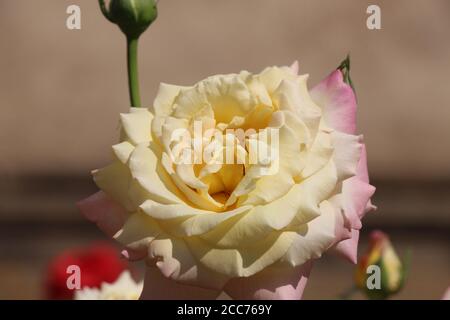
<point>61,91</point>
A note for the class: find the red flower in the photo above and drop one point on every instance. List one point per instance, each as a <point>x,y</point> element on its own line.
<point>98,263</point>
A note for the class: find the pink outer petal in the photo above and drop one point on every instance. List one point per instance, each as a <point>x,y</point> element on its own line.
<point>102,210</point>
<point>133,255</point>
<point>272,283</point>
<point>348,248</point>
<point>361,171</point>
<point>158,287</point>
<point>356,193</point>
<point>338,102</point>
<point>294,67</point>
<point>446,294</point>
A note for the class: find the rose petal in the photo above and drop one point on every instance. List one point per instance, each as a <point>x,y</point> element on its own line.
<point>271,284</point>
<point>446,294</point>
<point>338,102</point>
<point>102,210</point>
<point>158,287</point>
<point>163,103</point>
<point>133,255</point>
<point>361,170</point>
<point>349,248</point>
<point>137,125</point>
<point>357,192</point>
<point>294,67</point>
<point>356,198</point>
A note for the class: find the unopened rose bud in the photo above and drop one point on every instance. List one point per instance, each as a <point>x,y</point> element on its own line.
<point>132,16</point>
<point>380,273</point>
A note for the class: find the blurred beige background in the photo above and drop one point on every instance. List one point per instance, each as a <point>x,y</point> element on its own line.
<point>61,92</point>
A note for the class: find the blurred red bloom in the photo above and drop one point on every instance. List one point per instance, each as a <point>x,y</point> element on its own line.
<point>98,263</point>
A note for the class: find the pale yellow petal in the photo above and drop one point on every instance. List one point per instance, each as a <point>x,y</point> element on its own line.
<point>347,151</point>
<point>147,172</point>
<point>137,125</point>
<point>138,231</point>
<point>114,180</point>
<point>243,261</point>
<point>163,104</point>
<point>123,151</point>
<point>312,240</point>
<point>184,220</point>
<point>194,197</point>
<point>299,206</point>
<point>273,76</point>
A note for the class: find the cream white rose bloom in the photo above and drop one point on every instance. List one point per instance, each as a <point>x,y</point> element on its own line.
<point>124,288</point>
<point>250,229</point>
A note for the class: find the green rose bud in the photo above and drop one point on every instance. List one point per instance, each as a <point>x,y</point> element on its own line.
<point>132,16</point>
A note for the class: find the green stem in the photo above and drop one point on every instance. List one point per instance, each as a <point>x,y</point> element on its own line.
<point>133,77</point>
